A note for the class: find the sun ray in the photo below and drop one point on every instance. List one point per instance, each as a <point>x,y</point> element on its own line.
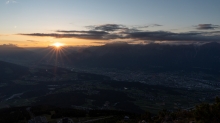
<point>56,55</point>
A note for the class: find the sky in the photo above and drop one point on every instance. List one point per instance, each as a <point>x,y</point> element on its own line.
<point>41,23</point>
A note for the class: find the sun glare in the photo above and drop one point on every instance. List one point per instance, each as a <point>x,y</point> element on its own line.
<point>57,44</point>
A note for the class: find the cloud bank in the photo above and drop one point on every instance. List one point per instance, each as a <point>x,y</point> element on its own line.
<point>207,27</point>
<point>137,33</point>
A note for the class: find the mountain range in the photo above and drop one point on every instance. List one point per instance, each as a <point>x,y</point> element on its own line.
<point>126,56</point>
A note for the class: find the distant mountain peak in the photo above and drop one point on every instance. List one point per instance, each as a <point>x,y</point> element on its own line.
<point>8,45</point>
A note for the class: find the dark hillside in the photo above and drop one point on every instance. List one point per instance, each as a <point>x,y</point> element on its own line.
<point>10,71</point>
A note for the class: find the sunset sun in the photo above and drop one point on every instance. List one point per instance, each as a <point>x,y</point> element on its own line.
<point>57,44</point>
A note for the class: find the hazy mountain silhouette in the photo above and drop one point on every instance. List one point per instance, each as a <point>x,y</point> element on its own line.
<point>125,56</point>
<point>144,57</point>
<point>15,53</point>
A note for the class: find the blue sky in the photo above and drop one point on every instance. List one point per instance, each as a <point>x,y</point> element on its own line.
<point>47,16</point>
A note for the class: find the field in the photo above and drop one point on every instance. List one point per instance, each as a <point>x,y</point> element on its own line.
<point>67,88</point>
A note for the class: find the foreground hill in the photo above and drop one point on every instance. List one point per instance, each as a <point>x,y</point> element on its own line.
<point>202,113</point>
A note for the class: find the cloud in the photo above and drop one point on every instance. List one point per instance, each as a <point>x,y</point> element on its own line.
<point>32,41</point>
<point>9,45</point>
<point>108,27</point>
<point>153,25</point>
<point>207,27</point>
<point>146,26</point>
<point>170,36</point>
<point>83,32</point>
<point>91,36</point>
<point>10,1</point>
<point>118,27</point>
<point>116,31</point>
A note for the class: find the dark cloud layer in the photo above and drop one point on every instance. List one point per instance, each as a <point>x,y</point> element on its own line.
<point>117,31</point>
<point>152,25</point>
<point>82,32</point>
<point>170,36</point>
<point>69,35</point>
<point>108,27</point>
<point>207,27</point>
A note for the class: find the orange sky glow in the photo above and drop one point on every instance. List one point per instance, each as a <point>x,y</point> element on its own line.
<point>32,41</point>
